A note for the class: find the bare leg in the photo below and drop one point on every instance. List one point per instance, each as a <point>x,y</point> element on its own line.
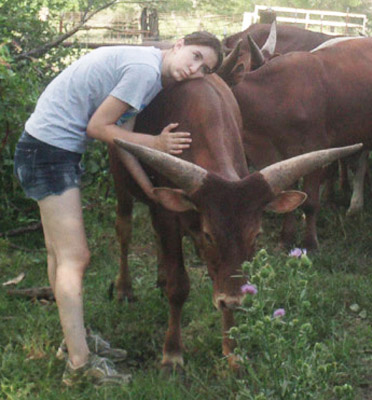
<point>51,261</point>
<point>68,257</point>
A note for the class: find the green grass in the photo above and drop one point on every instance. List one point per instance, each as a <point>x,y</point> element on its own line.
<point>322,351</point>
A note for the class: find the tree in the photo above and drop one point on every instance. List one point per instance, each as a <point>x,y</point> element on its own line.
<point>31,54</point>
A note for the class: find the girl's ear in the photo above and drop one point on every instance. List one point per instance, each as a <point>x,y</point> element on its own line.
<point>180,43</point>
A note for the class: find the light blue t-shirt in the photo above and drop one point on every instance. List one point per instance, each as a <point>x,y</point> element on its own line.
<point>129,73</point>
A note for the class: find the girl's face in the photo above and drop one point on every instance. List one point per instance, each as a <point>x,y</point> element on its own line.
<point>188,61</point>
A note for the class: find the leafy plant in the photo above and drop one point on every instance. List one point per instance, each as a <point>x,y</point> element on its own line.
<point>283,355</point>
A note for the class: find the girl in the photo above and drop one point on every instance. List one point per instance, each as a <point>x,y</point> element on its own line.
<point>93,99</point>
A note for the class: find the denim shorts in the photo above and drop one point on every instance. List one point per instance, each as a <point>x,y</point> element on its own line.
<point>45,170</point>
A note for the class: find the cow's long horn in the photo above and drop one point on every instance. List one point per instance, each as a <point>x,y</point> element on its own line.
<point>229,61</point>
<point>184,174</point>
<point>284,173</point>
<point>270,43</point>
<point>257,57</point>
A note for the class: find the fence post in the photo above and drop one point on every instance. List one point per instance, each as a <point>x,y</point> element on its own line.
<point>154,24</point>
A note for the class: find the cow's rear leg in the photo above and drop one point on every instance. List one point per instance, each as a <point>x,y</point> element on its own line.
<point>311,208</point>
<point>357,198</point>
<point>329,177</point>
<point>288,233</point>
<point>175,281</point>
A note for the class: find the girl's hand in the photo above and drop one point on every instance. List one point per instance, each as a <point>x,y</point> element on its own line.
<point>172,142</point>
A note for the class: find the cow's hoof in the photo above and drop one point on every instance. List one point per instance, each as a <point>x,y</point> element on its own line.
<point>310,244</point>
<point>235,363</point>
<point>354,212</point>
<point>127,298</point>
<point>282,247</point>
<point>168,370</point>
<point>172,364</point>
<point>122,295</point>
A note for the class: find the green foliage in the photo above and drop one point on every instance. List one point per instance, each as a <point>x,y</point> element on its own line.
<point>288,358</point>
<point>21,82</point>
<point>320,349</point>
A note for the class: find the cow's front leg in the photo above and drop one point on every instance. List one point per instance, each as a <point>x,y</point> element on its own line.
<point>123,282</point>
<point>174,280</point>
<point>123,225</point>
<point>228,344</point>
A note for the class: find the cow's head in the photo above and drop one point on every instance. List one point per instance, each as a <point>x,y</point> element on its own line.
<point>246,56</point>
<point>229,213</point>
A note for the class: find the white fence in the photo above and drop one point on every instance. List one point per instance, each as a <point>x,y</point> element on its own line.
<point>330,22</point>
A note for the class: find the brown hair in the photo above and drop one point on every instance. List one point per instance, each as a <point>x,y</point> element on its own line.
<point>204,38</point>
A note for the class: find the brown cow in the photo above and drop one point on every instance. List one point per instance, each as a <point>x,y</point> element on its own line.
<point>288,38</point>
<point>300,102</point>
<point>271,39</point>
<point>211,197</point>
<point>280,40</point>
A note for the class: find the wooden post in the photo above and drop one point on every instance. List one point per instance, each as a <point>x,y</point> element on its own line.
<point>154,24</point>
<point>144,24</point>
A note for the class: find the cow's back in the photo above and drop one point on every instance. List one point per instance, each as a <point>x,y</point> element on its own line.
<point>209,111</point>
<point>347,73</point>
<point>304,101</point>
<point>289,38</point>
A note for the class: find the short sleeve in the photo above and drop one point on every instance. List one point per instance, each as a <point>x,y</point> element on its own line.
<point>137,83</point>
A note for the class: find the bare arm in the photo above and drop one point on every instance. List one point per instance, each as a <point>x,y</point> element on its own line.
<point>102,126</point>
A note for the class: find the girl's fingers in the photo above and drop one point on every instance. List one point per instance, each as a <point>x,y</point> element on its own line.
<point>180,134</point>
<point>171,126</point>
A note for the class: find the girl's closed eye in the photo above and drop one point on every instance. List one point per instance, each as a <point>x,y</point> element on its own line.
<point>197,56</point>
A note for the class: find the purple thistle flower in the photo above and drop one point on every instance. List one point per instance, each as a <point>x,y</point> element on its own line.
<point>248,288</point>
<point>280,312</point>
<point>297,252</point>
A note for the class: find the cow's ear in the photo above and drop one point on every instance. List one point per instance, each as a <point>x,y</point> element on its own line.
<point>173,199</point>
<point>237,74</point>
<point>287,201</point>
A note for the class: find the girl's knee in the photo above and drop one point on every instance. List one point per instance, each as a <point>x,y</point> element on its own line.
<point>84,259</point>
<point>76,263</point>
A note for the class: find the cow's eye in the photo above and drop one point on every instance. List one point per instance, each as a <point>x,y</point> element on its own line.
<point>208,238</point>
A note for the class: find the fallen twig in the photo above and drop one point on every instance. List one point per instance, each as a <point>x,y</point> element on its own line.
<point>43,292</point>
<point>21,248</point>
<point>19,231</point>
